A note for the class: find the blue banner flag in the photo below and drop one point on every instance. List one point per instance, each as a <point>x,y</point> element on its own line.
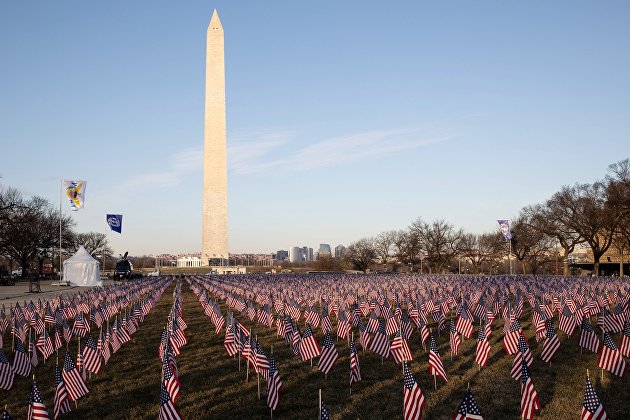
<point>505,229</point>
<point>115,222</point>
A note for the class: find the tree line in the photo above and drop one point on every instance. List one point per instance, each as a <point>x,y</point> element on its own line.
<point>30,229</point>
<point>594,215</point>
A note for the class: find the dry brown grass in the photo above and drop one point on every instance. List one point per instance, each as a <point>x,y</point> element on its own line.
<point>213,387</point>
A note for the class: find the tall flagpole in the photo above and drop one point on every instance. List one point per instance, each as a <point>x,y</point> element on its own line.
<point>60,217</point>
<point>510,255</point>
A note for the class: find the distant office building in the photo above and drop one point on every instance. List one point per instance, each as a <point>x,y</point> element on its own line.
<point>324,251</point>
<point>295,254</point>
<point>282,255</point>
<point>339,251</point>
<point>300,254</point>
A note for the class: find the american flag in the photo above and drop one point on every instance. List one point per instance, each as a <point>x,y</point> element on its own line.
<point>329,354</point>
<point>592,408</point>
<point>343,326</point>
<point>464,323</point>
<point>44,345</point>
<point>312,316</point>
<point>5,415</point>
<point>57,344</point>
<point>372,324</point>
<point>455,340</point>
<point>435,361</point>
<point>364,336</point>
<point>296,339</point>
<point>525,354</point>
<point>36,407</point>
<point>308,345</point>
<point>33,352</point>
<point>6,372</point>
<point>92,356</point>
<point>326,324</point>
<point>104,347</point>
<point>62,404</point>
<point>170,379</point>
<point>624,348</point>
<point>262,363</point>
<point>400,350</point>
<point>588,338</point>
<point>167,408</point>
<point>323,414</point>
<point>113,339</point>
<point>529,397</point>
<point>483,348</point>
<point>551,343</point>
<point>229,343</point>
<point>468,409</point>
<point>610,358</point>
<point>567,321</point>
<point>413,398</point>
<point>21,363</point>
<point>355,369</point>
<point>74,382</point>
<point>273,384</point>
<point>511,337</point>
<point>379,343</point>
<point>80,367</point>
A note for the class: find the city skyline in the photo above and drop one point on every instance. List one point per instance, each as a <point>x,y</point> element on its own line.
<point>460,112</point>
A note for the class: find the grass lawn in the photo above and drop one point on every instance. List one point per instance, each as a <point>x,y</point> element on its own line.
<point>213,387</point>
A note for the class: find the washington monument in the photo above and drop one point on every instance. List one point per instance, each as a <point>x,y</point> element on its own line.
<point>214,225</point>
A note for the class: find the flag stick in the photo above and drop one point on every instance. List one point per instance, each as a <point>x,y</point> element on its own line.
<point>435,380</point>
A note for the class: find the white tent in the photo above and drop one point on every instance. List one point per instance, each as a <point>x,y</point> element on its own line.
<point>82,270</point>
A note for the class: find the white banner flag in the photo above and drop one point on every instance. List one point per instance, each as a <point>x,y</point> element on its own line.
<point>75,192</point>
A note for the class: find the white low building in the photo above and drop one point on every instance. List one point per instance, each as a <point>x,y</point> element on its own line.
<point>189,261</point>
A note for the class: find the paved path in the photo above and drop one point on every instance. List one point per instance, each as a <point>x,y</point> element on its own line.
<point>19,292</point>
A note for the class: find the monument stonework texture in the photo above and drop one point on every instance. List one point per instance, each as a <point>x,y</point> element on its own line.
<point>214,224</point>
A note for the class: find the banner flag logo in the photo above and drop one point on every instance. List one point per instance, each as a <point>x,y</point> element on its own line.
<point>115,222</point>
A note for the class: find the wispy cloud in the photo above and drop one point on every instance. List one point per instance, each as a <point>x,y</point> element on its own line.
<point>258,150</point>
<point>330,152</point>
<point>182,162</point>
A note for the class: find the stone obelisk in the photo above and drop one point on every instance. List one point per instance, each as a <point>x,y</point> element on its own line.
<point>214,224</point>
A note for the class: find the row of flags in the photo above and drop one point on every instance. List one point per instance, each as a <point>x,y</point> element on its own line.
<point>172,340</point>
<point>577,305</point>
<point>131,302</point>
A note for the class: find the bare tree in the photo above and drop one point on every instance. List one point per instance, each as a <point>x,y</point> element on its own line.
<point>583,209</point>
<point>384,244</point>
<point>547,219</point>
<point>407,248</point>
<point>95,243</point>
<point>361,254</point>
<point>439,240</point>
<point>618,203</point>
<point>32,228</point>
<point>480,249</point>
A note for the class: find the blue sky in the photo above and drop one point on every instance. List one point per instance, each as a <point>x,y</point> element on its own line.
<point>344,119</point>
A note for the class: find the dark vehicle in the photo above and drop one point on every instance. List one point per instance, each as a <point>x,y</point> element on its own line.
<point>123,268</point>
